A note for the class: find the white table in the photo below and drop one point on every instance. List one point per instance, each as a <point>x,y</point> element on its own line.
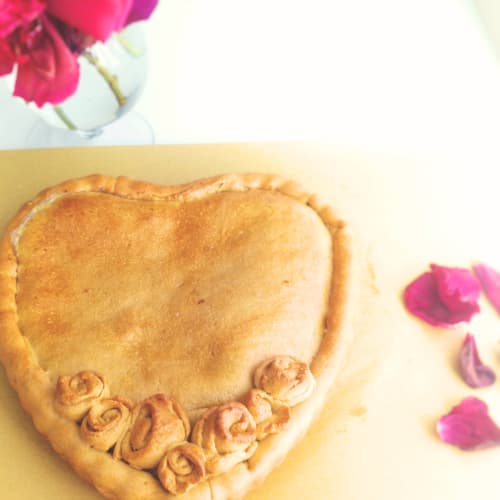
<point>392,75</point>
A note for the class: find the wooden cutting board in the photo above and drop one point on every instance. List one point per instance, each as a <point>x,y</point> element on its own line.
<point>375,438</point>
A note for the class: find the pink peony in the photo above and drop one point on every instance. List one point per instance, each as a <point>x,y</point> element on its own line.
<point>15,13</point>
<point>44,37</point>
<point>49,71</point>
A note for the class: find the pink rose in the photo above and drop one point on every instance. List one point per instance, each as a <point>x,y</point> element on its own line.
<point>44,37</point>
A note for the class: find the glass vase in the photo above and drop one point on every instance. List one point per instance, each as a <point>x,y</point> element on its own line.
<point>112,77</point>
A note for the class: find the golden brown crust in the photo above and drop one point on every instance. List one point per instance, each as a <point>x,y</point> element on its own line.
<point>35,385</point>
<point>182,468</point>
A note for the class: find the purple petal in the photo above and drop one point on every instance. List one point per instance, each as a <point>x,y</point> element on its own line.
<point>474,372</point>
<point>141,10</point>
<point>443,297</point>
<point>490,282</point>
<point>458,288</point>
<point>468,426</point>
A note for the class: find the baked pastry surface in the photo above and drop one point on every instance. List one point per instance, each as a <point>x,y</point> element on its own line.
<point>183,290</point>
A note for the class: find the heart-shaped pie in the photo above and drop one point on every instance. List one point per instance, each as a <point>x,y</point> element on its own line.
<point>173,339</point>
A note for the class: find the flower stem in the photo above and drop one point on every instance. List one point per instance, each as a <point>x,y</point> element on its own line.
<point>125,43</point>
<point>64,118</point>
<point>111,80</point>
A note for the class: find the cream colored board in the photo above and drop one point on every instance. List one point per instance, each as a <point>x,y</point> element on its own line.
<point>375,438</point>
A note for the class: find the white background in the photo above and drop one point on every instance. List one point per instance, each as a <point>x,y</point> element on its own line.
<point>386,75</point>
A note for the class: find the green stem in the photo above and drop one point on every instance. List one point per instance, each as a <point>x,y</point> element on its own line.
<point>64,118</point>
<point>111,80</point>
<point>125,43</point>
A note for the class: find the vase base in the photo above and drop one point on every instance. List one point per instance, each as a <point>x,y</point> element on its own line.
<point>130,129</point>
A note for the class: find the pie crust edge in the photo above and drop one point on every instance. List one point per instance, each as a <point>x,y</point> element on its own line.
<point>115,479</point>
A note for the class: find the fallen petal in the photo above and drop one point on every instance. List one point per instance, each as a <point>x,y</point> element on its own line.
<point>422,299</point>
<point>474,372</point>
<point>490,282</point>
<point>468,426</point>
<point>458,288</point>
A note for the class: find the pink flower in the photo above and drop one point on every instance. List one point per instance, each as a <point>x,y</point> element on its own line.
<point>490,282</point>
<point>468,426</point>
<point>7,58</point>
<point>141,9</point>
<point>98,18</point>
<point>473,371</point>
<point>14,13</point>
<point>444,297</point>
<point>47,70</point>
<point>44,37</point>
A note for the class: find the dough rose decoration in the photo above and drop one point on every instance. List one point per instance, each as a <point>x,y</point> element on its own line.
<point>156,423</point>
<point>106,422</point>
<point>227,434</point>
<point>285,379</point>
<point>76,394</point>
<point>181,468</point>
<point>270,415</point>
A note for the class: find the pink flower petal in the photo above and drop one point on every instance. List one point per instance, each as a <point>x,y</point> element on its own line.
<point>490,282</point>
<point>48,71</point>
<point>474,372</point>
<point>457,288</point>
<point>7,58</point>
<point>141,10</point>
<point>14,13</point>
<point>468,426</point>
<point>97,18</point>
<point>443,297</point>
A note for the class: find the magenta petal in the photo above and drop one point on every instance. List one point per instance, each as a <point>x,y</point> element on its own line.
<point>51,72</point>
<point>490,282</point>
<point>422,300</point>
<point>7,58</point>
<point>474,372</point>
<point>444,297</point>
<point>13,13</point>
<point>457,288</point>
<point>141,10</point>
<point>468,426</point>
<point>97,18</point>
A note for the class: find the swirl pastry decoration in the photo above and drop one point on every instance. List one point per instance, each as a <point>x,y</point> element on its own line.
<point>154,433</point>
<point>75,395</point>
<point>106,422</point>
<point>285,379</point>
<point>157,422</point>
<point>227,434</point>
<point>270,415</point>
<point>182,467</point>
